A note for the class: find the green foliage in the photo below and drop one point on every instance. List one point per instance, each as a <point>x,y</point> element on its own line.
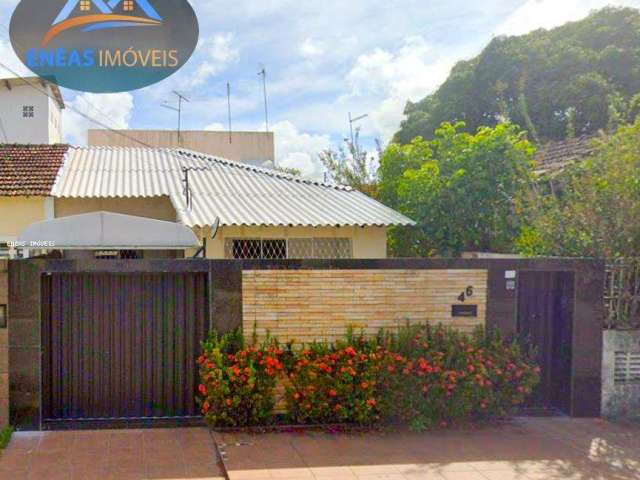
<point>597,212</point>
<point>5,437</point>
<point>419,376</point>
<point>238,381</point>
<point>352,165</point>
<point>461,189</point>
<point>439,376</point>
<point>336,383</point>
<point>580,77</point>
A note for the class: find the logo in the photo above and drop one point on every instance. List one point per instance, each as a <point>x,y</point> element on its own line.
<point>104,45</point>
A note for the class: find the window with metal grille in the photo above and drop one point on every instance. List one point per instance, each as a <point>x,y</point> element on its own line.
<point>627,368</point>
<point>128,6</point>
<point>320,248</point>
<point>298,248</point>
<point>256,248</point>
<point>28,111</point>
<point>4,250</point>
<point>85,5</point>
<point>118,255</point>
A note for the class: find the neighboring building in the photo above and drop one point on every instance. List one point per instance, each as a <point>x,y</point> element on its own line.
<point>554,157</point>
<point>261,213</point>
<point>254,148</point>
<point>30,112</point>
<point>27,175</point>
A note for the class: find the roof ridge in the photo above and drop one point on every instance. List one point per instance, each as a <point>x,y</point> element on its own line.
<point>266,171</point>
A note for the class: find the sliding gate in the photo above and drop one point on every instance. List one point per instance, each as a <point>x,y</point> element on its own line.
<point>121,346</point>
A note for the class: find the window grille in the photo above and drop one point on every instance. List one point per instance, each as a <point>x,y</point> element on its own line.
<point>320,248</point>
<point>28,111</point>
<point>118,255</point>
<point>85,5</point>
<point>627,368</point>
<point>4,250</point>
<point>128,5</point>
<point>298,248</point>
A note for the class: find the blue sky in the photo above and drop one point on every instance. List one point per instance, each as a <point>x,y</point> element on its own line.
<point>324,59</point>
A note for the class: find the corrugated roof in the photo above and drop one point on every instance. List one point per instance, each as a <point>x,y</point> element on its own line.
<point>237,193</point>
<point>29,170</point>
<point>556,156</point>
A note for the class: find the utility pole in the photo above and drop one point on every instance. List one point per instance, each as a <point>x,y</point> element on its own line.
<point>181,98</point>
<point>263,73</point>
<point>229,109</point>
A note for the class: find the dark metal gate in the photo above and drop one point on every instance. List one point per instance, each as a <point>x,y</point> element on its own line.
<point>545,322</point>
<point>121,346</point>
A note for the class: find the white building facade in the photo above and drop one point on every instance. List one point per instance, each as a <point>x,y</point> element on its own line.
<point>30,111</point>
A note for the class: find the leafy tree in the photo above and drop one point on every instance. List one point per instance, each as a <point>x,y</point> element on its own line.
<point>572,80</point>
<point>597,212</point>
<point>461,189</point>
<point>352,165</point>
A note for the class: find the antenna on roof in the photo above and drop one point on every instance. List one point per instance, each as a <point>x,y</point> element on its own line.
<point>181,98</point>
<point>263,73</point>
<point>229,110</point>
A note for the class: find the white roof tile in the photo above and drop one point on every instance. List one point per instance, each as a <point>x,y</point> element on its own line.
<point>237,193</point>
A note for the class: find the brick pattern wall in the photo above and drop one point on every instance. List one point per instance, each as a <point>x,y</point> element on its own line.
<point>4,349</point>
<point>308,305</point>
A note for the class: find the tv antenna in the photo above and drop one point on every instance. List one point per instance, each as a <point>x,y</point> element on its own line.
<point>181,98</point>
<point>263,74</point>
<point>351,122</point>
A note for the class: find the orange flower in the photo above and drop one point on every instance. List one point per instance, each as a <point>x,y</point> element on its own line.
<point>205,407</point>
<point>296,396</point>
<point>202,359</point>
<point>371,402</point>
<point>228,402</point>
<point>364,385</point>
<point>202,389</point>
<point>333,393</point>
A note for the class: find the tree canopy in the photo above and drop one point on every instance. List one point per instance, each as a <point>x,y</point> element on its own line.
<point>597,213</point>
<point>462,189</point>
<point>572,80</point>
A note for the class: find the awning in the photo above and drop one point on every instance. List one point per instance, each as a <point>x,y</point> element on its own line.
<point>107,231</point>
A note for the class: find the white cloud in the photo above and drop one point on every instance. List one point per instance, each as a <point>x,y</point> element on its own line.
<point>311,48</point>
<point>111,109</point>
<point>215,127</point>
<point>218,52</point>
<point>295,149</point>
<point>411,72</point>
<point>9,58</point>
<point>534,14</point>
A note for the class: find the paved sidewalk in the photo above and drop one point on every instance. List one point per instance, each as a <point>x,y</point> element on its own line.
<point>527,449</point>
<point>185,453</point>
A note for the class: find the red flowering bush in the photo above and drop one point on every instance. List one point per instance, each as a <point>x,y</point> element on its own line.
<point>238,381</point>
<point>438,376</point>
<point>336,383</point>
<point>422,376</point>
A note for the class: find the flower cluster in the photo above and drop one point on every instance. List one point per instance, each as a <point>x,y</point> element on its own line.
<point>238,382</point>
<point>335,384</point>
<point>441,376</point>
<point>424,377</point>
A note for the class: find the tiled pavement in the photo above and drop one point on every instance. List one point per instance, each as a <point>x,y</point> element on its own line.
<point>187,453</point>
<point>526,449</point>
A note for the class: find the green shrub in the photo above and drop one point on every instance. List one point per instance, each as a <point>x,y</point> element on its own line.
<point>336,383</point>
<point>439,376</point>
<point>420,376</point>
<point>238,381</point>
<point>5,437</point>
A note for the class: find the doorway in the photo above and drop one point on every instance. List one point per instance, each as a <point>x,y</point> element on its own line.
<point>545,321</point>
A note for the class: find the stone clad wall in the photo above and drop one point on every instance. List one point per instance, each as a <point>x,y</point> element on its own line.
<point>308,305</point>
<point>4,349</point>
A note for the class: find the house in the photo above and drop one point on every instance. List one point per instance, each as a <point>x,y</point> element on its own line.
<point>31,110</point>
<point>236,210</point>
<point>554,157</point>
<point>255,148</point>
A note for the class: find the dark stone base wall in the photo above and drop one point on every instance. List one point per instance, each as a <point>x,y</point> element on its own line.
<point>225,281</point>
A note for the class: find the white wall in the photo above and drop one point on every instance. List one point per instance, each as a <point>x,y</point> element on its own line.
<point>43,128</point>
